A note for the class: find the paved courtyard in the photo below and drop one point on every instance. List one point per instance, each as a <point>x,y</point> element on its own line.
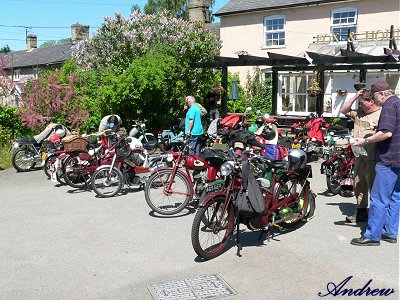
<point>62,243</point>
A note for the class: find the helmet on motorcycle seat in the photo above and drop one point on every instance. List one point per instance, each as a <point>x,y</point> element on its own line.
<point>268,133</point>
<point>60,132</point>
<point>113,123</point>
<point>260,121</point>
<point>297,159</point>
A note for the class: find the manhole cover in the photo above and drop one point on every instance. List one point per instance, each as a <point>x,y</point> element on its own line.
<point>204,287</point>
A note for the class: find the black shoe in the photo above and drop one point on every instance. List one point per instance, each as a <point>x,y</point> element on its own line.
<point>362,241</point>
<point>388,239</point>
<point>360,216</point>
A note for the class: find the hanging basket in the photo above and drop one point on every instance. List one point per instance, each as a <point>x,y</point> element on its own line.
<point>312,92</point>
<point>341,92</point>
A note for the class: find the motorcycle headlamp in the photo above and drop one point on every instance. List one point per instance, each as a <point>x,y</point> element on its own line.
<point>226,169</point>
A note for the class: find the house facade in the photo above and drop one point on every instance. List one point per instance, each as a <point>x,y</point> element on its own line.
<point>329,30</point>
<point>22,66</point>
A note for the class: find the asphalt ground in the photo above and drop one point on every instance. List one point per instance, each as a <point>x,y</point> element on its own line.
<point>61,243</point>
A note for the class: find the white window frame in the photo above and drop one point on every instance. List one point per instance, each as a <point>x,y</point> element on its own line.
<point>276,31</point>
<point>294,95</point>
<point>345,25</point>
<point>17,75</point>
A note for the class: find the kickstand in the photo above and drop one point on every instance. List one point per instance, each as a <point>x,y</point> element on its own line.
<point>238,245</point>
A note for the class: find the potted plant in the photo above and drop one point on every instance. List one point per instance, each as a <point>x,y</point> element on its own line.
<point>341,92</point>
<point>314,88</point>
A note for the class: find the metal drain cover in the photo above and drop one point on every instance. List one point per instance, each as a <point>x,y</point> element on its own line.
<point>204,287</point>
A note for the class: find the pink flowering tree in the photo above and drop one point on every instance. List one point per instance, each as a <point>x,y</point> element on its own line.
<point>48,99</point>
<point>142,65</point>
<point>6,83</point>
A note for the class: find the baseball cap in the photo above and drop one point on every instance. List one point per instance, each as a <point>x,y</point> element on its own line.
<point>379,86</point>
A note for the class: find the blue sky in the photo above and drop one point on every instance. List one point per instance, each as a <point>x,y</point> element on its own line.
<point>58,16</point>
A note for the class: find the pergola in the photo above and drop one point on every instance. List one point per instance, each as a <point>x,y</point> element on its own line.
<point>348,60</point>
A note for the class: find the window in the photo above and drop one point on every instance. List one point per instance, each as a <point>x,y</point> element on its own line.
<point>17,74</point>
<point>274,29</point>
<point>294,95</point>
<point>343,20</point>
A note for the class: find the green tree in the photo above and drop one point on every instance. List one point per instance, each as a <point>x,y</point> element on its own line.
<point>122,45</point>
<point>174,8</point>
<point>5,49</point>
<point>54,42</point>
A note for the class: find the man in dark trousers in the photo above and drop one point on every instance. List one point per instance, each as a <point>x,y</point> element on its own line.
<point>383,215</point>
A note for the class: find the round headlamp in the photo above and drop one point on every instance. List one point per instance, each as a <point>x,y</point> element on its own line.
<point>226,169</point>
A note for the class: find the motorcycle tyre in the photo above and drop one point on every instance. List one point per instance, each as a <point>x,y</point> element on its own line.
<point>155,208</point>
<point>46,167</point>
<point>330,178</point>
<point>120,181</point>
<point>305,209</point>
<point>72,183</point>
<point>198,223</point>
<point>16,165</point>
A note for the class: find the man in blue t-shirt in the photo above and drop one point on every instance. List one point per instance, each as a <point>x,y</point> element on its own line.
<point>193,126</point>
<point>383,215</point>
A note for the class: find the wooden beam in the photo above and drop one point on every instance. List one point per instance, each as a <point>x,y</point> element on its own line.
<point>345,52</point>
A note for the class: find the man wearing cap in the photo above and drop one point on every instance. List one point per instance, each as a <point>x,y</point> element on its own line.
<point>383,215</point>
<point>365,122</point>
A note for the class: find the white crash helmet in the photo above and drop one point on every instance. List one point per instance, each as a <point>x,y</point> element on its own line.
<point>297,159</point>
<point>60,132</point>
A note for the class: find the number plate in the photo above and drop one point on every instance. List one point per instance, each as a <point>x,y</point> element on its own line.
<point>157,166</point>
<point>214,187</point>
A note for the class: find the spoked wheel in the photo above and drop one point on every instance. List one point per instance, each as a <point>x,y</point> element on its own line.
<point>333,181</point>
<point>23,160</point>
<point>298,209</point>
<point>107,183</point>
<point>168,201</point>
<point>212,228</point>
<point>50,160</point>
<point>74,175</point>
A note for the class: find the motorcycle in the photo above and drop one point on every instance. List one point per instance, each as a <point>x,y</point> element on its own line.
<point>171,139</point>
<point>128,164</point>
<point>339,169</point>
<point>138,131</point>
<point>170,189</point>
<point>30,151</point>
<point>287,200</point>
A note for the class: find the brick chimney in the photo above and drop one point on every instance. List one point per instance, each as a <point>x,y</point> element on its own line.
<point>31,42</point>
<point>79,32</point>
<point>199,11</point>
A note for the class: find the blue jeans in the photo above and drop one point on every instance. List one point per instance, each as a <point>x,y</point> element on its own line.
<point>383,214</point>
<point>194,145</point>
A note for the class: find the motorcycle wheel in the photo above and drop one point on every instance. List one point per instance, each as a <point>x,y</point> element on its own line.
<point>167,202</point>
<point>296,212</point>
<point>50,159</point>
<point>18,160</point>
<point>73,174</point>
<point>333,181</point>
<point>107,183</point>
<point>211,229</point>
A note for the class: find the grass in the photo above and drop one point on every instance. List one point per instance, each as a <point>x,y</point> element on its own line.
<point>5,157</point>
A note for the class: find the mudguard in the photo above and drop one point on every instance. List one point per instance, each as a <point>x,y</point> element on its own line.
<point>209,197</point>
